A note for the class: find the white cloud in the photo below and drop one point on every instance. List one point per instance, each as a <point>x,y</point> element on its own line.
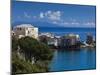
<point>90,23</point>
<point>75,23</point>
<point>82,24</point>
<point>55,17</point>
<point>51,15</point>
<point>70,23</point>
<point>55,22</point>
<point>64,23</point>
<point>48,13</point>
<point>26,15</point>
<point>41,15</point>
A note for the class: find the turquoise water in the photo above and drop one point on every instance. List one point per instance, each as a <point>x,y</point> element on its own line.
<point>65,60</point>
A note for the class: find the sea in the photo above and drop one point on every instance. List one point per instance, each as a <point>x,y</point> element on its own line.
<point>70,60</point>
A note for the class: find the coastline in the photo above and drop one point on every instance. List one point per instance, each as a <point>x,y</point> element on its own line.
<point>82,46</point>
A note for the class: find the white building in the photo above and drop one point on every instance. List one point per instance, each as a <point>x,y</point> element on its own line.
<point>26,30</point>
<point>12,33</point>
<point>47,34</point>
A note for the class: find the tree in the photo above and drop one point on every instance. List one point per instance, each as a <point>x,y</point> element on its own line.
<point>27,46</point>
<point>33,48</point>
<point>20,66</point>
<point>14,43</point>
<point>44,39</point>
<point>42,52</point>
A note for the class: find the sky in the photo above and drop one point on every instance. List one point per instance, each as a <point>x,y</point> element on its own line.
<point>61,15</point>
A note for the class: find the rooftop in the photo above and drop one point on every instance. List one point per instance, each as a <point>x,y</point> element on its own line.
<point>71,36</point>
<point>25,25</point>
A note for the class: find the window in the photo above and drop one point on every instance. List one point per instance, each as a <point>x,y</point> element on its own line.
<point>28,32</point>
<point>20,28</point>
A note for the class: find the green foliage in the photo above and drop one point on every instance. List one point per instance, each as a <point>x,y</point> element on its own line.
<point>42,52</point>
<point>27,45</point>
<point>14,43</point>
<point>44,39</point>
<point>20,66</point>
<point>32,47</point>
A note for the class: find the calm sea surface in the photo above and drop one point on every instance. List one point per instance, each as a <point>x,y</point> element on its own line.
<point>64,60</point>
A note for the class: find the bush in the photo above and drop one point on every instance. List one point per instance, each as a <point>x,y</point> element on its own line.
<point>20,66</point>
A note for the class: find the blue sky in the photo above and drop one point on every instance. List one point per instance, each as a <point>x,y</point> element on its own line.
<point>63,15</point>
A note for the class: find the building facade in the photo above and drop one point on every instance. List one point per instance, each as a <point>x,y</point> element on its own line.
<point>49,39</point>
<point>70,41</point>
<point>26,30</point>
